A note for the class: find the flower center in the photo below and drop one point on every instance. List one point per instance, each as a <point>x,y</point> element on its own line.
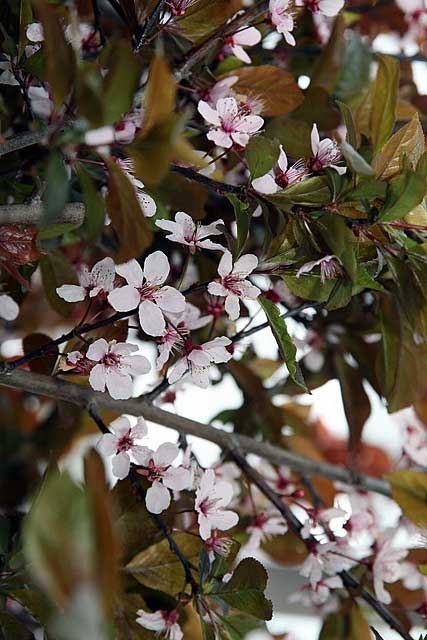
<point>111,360</point>
<point>207,505</point>
<point>125,443</point>
<point>232,282</point>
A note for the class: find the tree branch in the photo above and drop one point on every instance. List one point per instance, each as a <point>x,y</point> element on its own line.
<point>27,139</point>
<point>32,214</point>
<point>219,187</point>
<point>295,525</point>
<point>149,24</point>
<point>84,397</point>
<point>202,50</point>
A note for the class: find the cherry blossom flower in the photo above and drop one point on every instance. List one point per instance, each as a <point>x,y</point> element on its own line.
<point>317,594</point>
<point>102,136</point>
<point>359,522</point>
<point>41,104</point>
<point>264,526</point>
<point>163,477</point>
<point>9,309</point>
<point>281,17</point>
<point>147,203</point>
<point>34,32</point>
<point>77,362</point>
<point>280,479</point>
<point>323,559</point>
<point>220,90</point>
<point>330,268</point>
<point>281,176</point>
<point>179,326</point>
<point>415,445</point>
<point>232,283</point>
<point>218,546</point>
<point>328,8</point>
<point>211,499</point>
<point>144,291</point>
<point>198,358</point>
<point>320,517</point>
<point>121,443</point>
<point>179,7</point>
<point>325,153</point>
<point>231,123</point>
<point>95,283</point>
<point>115,367</point>
<point>386,566</point>
<point>165,623</point>
<point>193,235</point>
<point>246,37</point>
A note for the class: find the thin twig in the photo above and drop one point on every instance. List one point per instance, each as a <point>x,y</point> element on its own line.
<point>149,24</point>
<point>295,525</point>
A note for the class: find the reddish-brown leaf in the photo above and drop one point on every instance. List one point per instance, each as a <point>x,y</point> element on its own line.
<point>18,245</point>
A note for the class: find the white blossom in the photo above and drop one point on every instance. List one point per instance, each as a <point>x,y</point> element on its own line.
<point>281,176</point>
<point>245,37</point>
<point>230,124</point>
<point>325,153</point>
<point>121,443</point>
<point>9,309</point>
<point>281,17</point>
<point>145,291</point>
<point>115,366</point>
<point>233,284</point>
<point>163,476</point>
<point>97,282</point>
<point>193,235</point>
<point>198,358</point>
<point>212,498</point>
<point>165,623</point>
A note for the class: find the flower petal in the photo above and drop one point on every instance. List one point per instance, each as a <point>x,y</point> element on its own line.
<point>97,378</point>
<point>151,318</point>
<point>131,271</point>
<point>125,298</point>
<point>97,350</point>
<point>121,465</point>
<point>71,292</point>
<point>157,498</point>
<point>156,268</point>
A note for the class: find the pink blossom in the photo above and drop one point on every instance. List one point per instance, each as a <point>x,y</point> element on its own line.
<point>322,518</point>
<point>359,522</point>
<point>233,284</point>
<point>220,90</point>
<point>328,8</point>
<point>330,268</point>
<point>159,471</point>
<point>102,136</point>
<point>121,443</point>
<point>231,123</point>
<point>323,559</point>
<point>281,17</point>
<point>280,479</point>
<point>77,362</point>
<point>115,367</point>
<point>165,623</point>
<point>218,546</point>
<point>386,567</point>
<point>191,234</point>
<point>317,594</point>
<point>198,358</point>
<point>246,37</point>
<point>179,326</point>
<point>9,309</point>
<point>211,499</point>
<point>415,445</point>
<point>263,527</point>
<point>325,153</point>
<point>281,176</point>
<point>97,282</point>
<point>147,203</point>
<point>144,291</point>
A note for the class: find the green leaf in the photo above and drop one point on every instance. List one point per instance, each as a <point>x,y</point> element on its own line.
<point>294,135</point>
<point>408,141</point>
<point>130,224</point>
<point>56,271</point>
<point>243,220</point>
<point>309,287</point>
<point>356,161</point>
<point>238,627</point>
<point>356,66</point>
<point>120,82</point>
<point>409,490</point>
<point>59,55</point>
<point>206,16</point>
<point>95,206</point>
<point>160,568</point>
<point>404,193</point>
<point>245,589</point>
<point>311,192</point>
<point>353,134</point>
<point>286,346</point>
<point>261,154</point>
<point>56,193</point>
<point>383,114</point>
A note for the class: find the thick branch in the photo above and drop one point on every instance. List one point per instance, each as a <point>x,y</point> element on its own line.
<point>27,139</point>
<point>85,397</point>
<point>32,214</point>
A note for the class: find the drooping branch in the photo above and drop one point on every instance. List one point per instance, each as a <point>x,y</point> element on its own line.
<point>351,584</point>
<point>84,397</point>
